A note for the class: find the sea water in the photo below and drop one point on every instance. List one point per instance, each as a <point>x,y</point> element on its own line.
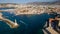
<point>27,23</point>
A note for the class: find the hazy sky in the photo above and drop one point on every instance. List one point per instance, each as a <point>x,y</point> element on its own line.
<point>25,1</point>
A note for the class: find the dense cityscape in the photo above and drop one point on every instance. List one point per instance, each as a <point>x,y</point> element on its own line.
<point>30,9</point>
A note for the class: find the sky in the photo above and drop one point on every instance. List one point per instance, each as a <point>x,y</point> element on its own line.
<point>25,1</point>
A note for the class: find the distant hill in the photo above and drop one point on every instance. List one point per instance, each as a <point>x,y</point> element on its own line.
<point>45,3</point>
<point>8,3</point>
<point>35,3</point>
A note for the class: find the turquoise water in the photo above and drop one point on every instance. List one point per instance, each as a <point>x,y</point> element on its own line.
<point>33,24</point>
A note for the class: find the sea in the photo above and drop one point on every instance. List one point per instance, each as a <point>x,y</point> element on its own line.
<point>28,24</point>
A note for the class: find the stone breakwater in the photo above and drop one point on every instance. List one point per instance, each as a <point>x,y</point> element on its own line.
<point>9,22</point>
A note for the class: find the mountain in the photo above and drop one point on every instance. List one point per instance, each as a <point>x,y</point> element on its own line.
<point>45,3</point>
<point>8,3</point>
